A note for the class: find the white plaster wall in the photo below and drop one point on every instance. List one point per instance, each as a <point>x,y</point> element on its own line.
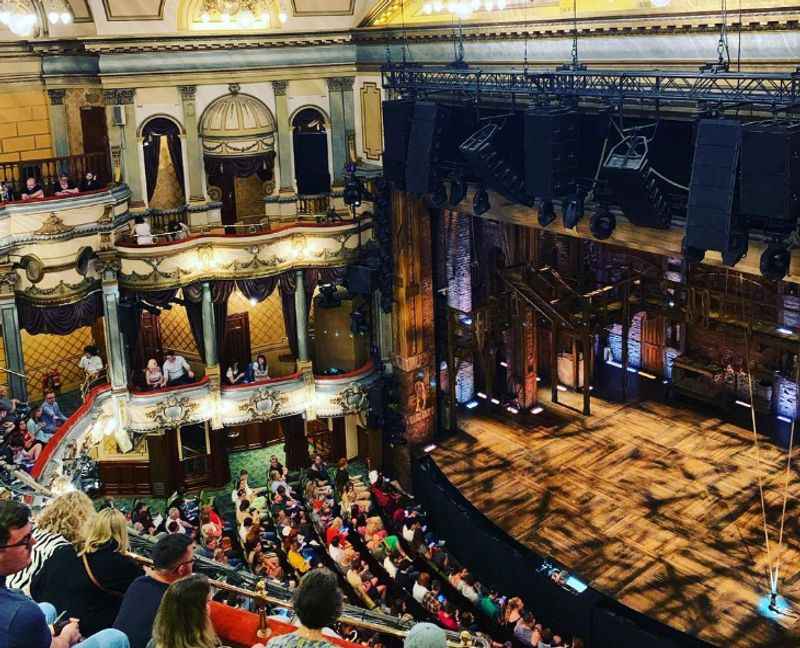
<point>158,101</point>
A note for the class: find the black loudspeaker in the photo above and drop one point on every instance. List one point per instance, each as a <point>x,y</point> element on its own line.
<point>397,116</point>
<point>551,152</point>
<point>424,143</point>
<point>633,186</point>
<point>492,167</point>
<point>712,222</point>
<point>358,279</point>
<point>769,187</point>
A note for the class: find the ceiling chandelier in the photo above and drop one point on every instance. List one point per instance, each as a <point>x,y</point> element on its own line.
<point>463,8</point>
<point>247,14</point>
<point>22,17</point>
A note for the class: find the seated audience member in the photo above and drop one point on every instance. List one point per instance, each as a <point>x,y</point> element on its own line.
<point>176,370</point>
<point>37,427</point>
<point>487,604</point>
<point>52,415</point>
<point>318,470</point>
<point>32,190</point>
<point>260,368</point>
<point>467,588</point>
<point>276,481</point>
<point>24,623</point>
<point>523,629</point>
<point>174,515</point>
<point>447,616</point>
<point>547,638</point>
<point>90,182</point>
<point>318,604</point>
<point>142,232</point>
<point>153,376</point>
<point>511,613</point>
<point>173,559</point>
<point>31,448</point>
<point>296,559</point>
<point>65,187</point>
<point>183,620</point>
<point>91,362</point>
<point>90,585</point>
<point>141,516</point>
<point>425,635</point>
<point>6,192</point>
<point>336,551</point>
<point>59,527</point>
<point>179,230</point>
<point>274,464</point>
<point>420,588</point>
<point>233,374</point>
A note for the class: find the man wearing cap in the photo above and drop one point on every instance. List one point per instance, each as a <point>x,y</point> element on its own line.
<point>425,635</point>
<point>173,558</point>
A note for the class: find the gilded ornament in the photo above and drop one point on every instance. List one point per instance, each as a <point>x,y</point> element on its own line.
<point>172,412</point>
<point>264,404</point>
<point>352,400</point>
<point>53,225</point>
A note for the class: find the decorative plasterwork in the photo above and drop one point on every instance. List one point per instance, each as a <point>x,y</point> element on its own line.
<point>371,121</point>
<point>62,293</point>
<point>264,404</point>
<point>53,225</point>
<point>128,10</point>
<point>172,412</point>
<point>323,7</point>
<point>352,400</point>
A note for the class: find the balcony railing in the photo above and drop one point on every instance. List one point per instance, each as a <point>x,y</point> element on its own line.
<point>47,171</point>
<point>313,205</point>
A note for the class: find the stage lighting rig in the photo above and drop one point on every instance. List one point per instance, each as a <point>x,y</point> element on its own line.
<point>547,213</point>
<point>574,210</point>
<point>480,201</point>
<point>775,261</point>
<point>328,296</point>
<point>353,192</point>
<point>602,222</point>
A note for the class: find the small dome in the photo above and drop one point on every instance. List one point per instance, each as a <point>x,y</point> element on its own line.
<point>237,125</point>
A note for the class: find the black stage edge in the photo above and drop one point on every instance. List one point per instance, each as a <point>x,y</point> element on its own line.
<point>504,564</point>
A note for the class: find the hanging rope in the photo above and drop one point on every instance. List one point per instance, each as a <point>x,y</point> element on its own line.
<point>758,460</point>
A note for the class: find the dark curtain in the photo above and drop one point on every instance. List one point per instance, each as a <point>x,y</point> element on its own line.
<point>258,289</point>
<point>193,296</point>
<point>60,320</point>
<point>241,167</point>
<point>287,285</point>
<point>154,130</point>
<point>194,311</point>
<point>316,276</point>
<point>311,163</point>
<point>159,297</point>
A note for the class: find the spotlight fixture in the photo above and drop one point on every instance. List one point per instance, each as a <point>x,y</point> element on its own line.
<point>775,261</point>
<point>602,223</point>
<point>352,192</point>
<point>328,297</point>
<point>574,211</point>
<point>439,195</point>
<point>480,202</point>
<point>547,213</point>
<point>458,191</point>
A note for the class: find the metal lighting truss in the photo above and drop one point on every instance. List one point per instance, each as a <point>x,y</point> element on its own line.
<point>774,91</point>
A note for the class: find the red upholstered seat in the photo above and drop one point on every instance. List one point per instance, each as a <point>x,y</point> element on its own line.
<point>238,628</point>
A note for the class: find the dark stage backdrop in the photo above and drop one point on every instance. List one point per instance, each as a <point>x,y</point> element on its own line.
<point>500,562</point>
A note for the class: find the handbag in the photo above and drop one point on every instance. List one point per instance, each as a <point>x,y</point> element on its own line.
<point>95,582</point>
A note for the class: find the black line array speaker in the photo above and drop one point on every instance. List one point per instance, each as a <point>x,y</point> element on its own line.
<point>359,279</point>
<point>769,187</point>
<point>633,186</point>
<point>551,152</point>
<point>424,143</point>
<point>397,116</point>
<point>712,222</point>
<point>493,168</point>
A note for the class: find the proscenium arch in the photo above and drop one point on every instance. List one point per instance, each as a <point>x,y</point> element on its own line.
<point>149,118</point>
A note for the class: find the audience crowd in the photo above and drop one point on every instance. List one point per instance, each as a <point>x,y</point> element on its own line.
<point>34,189</point>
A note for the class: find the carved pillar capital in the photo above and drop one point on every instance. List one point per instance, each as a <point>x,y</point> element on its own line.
<point>347,83</point>
<point>188,92</point>
<point>125,96</point>
<point>56,96</point>
<point>335,83</point>
<point>8,281</point>
<point>280,88</point>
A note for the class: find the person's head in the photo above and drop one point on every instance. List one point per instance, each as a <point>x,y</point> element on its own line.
<point>317,458</point>
<point>152,364</point>
<point>16,537</point>
<point>547,635</point>
<point>557,641</point>
<point>173,513</point>
<point>244,505</point>
<point>425,635</point>
<point>63,181</point>
<point>109,524</point>
<point>577,643</point>
<point>317,599</point>
<point>67,515</point>
<point>173,556</point>
<point>273,460</point>
<point>243,476</point>
<point>89,351</point>
<point>469,579</point>
<point>274,475</point>
<point>436,586</point>
<point>247,522</point>
<point>30,183</point>
<point>262,362</point>
<point>138,219</point>
<point>337,523</point>
<point>183,620</point>
<point>335,542</point>
<point>424,579</point>
<point>281,490</point>
<point>36,414</point>
<point>50,397</point>
<point>90,176</point>
<point>170,355</point>
<point>234,366</point>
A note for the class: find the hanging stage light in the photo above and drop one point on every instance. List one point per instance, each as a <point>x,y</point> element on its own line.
<point>439,195</point>
<point>352,192</point>
<point>775,261</point>
<point>458,191</point>
<point>574,211</point>
<point>547,213</point>
<point>480,202</point>
<point>602,223</point>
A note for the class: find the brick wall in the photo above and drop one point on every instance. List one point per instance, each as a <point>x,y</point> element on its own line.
<point>24,126</point>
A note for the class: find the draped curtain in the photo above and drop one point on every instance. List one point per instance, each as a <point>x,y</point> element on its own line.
<point>60,320</point>
<point>154,130</point>
<point>287,284</point>
<point>241,167</point>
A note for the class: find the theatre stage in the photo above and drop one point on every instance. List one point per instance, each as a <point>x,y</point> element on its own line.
<point>654,506</point>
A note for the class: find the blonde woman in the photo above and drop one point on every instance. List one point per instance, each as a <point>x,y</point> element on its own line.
<point>59,527</point>
<point>183,619</point>
<point>89,585</point>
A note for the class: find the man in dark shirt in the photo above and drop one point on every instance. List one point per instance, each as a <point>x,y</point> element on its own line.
<point>32,190</point>
<point>23,623</point>
<point>173,558</point>
<point>90,182</point>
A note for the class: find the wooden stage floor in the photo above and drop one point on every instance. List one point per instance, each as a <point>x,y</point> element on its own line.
<point>655,506</point>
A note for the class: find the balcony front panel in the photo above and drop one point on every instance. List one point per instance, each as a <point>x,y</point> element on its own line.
<point>154,412</point>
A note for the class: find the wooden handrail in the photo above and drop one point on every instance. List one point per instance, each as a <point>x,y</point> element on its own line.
<point>47,171</point>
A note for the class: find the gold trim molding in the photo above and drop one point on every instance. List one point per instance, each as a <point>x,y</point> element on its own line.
<point>346,12</point>
<point>130,18</point>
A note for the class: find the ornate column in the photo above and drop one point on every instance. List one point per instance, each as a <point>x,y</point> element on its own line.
<point>349,117</point>
<point>114,135</point>
<point>58,122</point>
<point>301,310</point>
<point>284,137</point>
<point>128,141</point>
<point>117,370</point>
<point>338,128</point>
<point>12,340</point>
<point>195,179</point>
<point>209,327</point>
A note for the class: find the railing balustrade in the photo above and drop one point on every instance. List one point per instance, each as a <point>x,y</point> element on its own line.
<point>47,171</point>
